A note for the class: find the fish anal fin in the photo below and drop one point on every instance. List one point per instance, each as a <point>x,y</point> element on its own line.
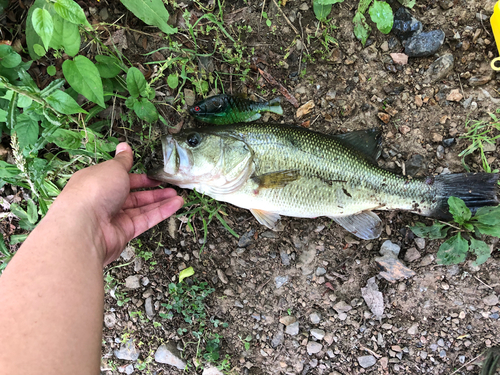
<point>367,142</point>
<point>273,180</point>
<point>365,225</point>
<point>268,219</point>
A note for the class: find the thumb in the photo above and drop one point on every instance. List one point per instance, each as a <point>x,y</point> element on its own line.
<point>124,155</point>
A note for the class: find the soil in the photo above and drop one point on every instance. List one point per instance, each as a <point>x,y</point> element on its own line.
<point>439,321</point>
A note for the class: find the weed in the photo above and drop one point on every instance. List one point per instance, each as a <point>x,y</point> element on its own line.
<point>480,133</point>
<point>454,250</point>
<point>246,341</point>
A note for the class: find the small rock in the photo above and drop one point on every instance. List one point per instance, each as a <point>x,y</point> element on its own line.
<point>129,370</point>
<point>384,117</point>
<point>342,307</point>
<point>424,44</point>
<point>399,59</point>
<point>285,258</point>
<point>287,320</point>
<point>428,259</point>
<point>489,147</point>
<point>168,353</point>
<point>318,334</point>
<point>414,165</point>
<point>128,351</point>
<point>222,276</point>
<point>320,271</point>
<point>110,320</point>
<point>448,142</point>
<point>104,14</point>
<point>366,361</point>
<point>389,248</point>
<point>277,339</point>
<point>435,137</point>
<point>440,152</point>
<point>189,97</point>
<point>150,312</point>
<point>413,329</point>
<point>315,317</point>
<point>128,253</point>
<point>384,46</point>
<point>455,95</point>
<point>420,242</point>
<point>405,25</point>
<point>280,281</point>
<point>439,69</point>
<point>404,129</point>
<point>313,347</point>
<point>246,239</point>
<point>133,282</point>
<point>305,109</point>
<point>373,298</point>
<point>211,371</point>
<point>292,329</point>
<point>490,300</point>
<point>412,255</point>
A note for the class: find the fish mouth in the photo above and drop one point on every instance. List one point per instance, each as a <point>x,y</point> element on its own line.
<point>175,159</point>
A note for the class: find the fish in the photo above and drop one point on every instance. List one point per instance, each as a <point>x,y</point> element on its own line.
<point>226,109</point>
<point>277,170</point>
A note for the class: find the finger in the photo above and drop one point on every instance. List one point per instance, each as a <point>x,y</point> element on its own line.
<point>138,181</point>
<point>144,198</point>
<point>148,216</point>
<point>124,156</point>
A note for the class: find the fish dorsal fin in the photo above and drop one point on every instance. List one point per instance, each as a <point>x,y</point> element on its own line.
<point>367,142</point>
<point>268,219</point>
<point>365,225</point>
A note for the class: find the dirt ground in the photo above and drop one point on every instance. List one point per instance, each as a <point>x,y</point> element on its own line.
<point>437,322</point>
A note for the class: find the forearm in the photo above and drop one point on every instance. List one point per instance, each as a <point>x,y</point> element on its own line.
<point>51,300</point>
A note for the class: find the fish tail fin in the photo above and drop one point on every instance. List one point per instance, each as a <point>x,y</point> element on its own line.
<point>475,189</point>
<point>274,106</point>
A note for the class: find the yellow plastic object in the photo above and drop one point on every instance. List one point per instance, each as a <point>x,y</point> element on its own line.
<point>495,26</point>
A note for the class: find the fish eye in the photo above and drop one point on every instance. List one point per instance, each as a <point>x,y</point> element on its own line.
<point>193,139</point>
<point>197,109</point>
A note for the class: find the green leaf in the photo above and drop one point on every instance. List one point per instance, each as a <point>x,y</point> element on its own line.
<point>269,23</point>
<point>17,238</point>
<point>488,215</point>
<point>32,38</point>
<point>435,231</point>
<point>186,273</point>
<point>481,250</point>
<point>452,251</point>
<point>407,3</point>
<point>66,139</point>
<point>130,102</point>
<point>108,66</point>
<point>381,14</point>
<point>321,11</point>
<point>84,77</point>
<point>24,218</point>
<point>459,210</point>
<point>327,2</point>
<point>63,103</point>
<point>8,170</point>
<point>43,25</point>
<point>71,11</point>
<point>51,70</point>
<point>363,6</point>
<point>3,249</point>
<point>39,49</point>
<point>490,230</point>
<point>361,28</point>
<point>152,12</point>
<point>27,130</point>
<point>3,115</point>
<point>136,83</point>
<point>173,81</point>
<point>32,212</point>
<point>145,110</point>
<point>66,36</point>
<point>8,57</point>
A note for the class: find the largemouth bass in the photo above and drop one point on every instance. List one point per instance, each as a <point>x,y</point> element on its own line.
<point>275,170</point>
<point>226,109</point>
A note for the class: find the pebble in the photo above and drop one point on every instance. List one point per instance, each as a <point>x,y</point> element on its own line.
<point>269,234</point>
<point>287,320</point>
<point>168,353</point>
<point>222,276</point>
<point>133,282</point>
<point>285,258</point>
<point>366,361</point>
<point>412,254</point>
<point>342,307</point>
<point>448,142</point>
<point>292,329</point>
<point>110,320</point>
<point>128,253</point>
<point>128,351</point>
<point>440,152</point>
<point>423,355</point>
<point>439,69</point>
<point>150,312</point>
<point>320,271</point>
<point>490,300</point>
<point>424,44</point>
<point>414,165</point>
<point>405,25</point>
<point>129,369</point>
<point>246,239</point>
<point>189,97</point>
<point>494,316</point>
<point>454,96</point>
<point>420,242</point>
<point>318,334</point>
<point>389,248</point>
<point>315,317</point>
<point>277,339</point>
<point>413,329</point>
<point>442,353</point>
<point>280,281</point>
<point>211,371</point>
<point>313,347</point>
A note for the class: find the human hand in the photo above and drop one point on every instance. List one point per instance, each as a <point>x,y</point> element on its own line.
<point>100,196</point>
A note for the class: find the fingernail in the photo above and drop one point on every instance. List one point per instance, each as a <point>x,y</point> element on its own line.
<point>121,147</point>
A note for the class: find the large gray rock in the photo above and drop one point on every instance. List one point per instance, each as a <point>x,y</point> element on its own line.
<point>168,353</point>
<point>424,44</point>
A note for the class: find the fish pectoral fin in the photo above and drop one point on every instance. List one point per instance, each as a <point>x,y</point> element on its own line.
<point>273,180</point>
<point>254,117</point>
<point>365,225</point>
<point>268,219</point>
